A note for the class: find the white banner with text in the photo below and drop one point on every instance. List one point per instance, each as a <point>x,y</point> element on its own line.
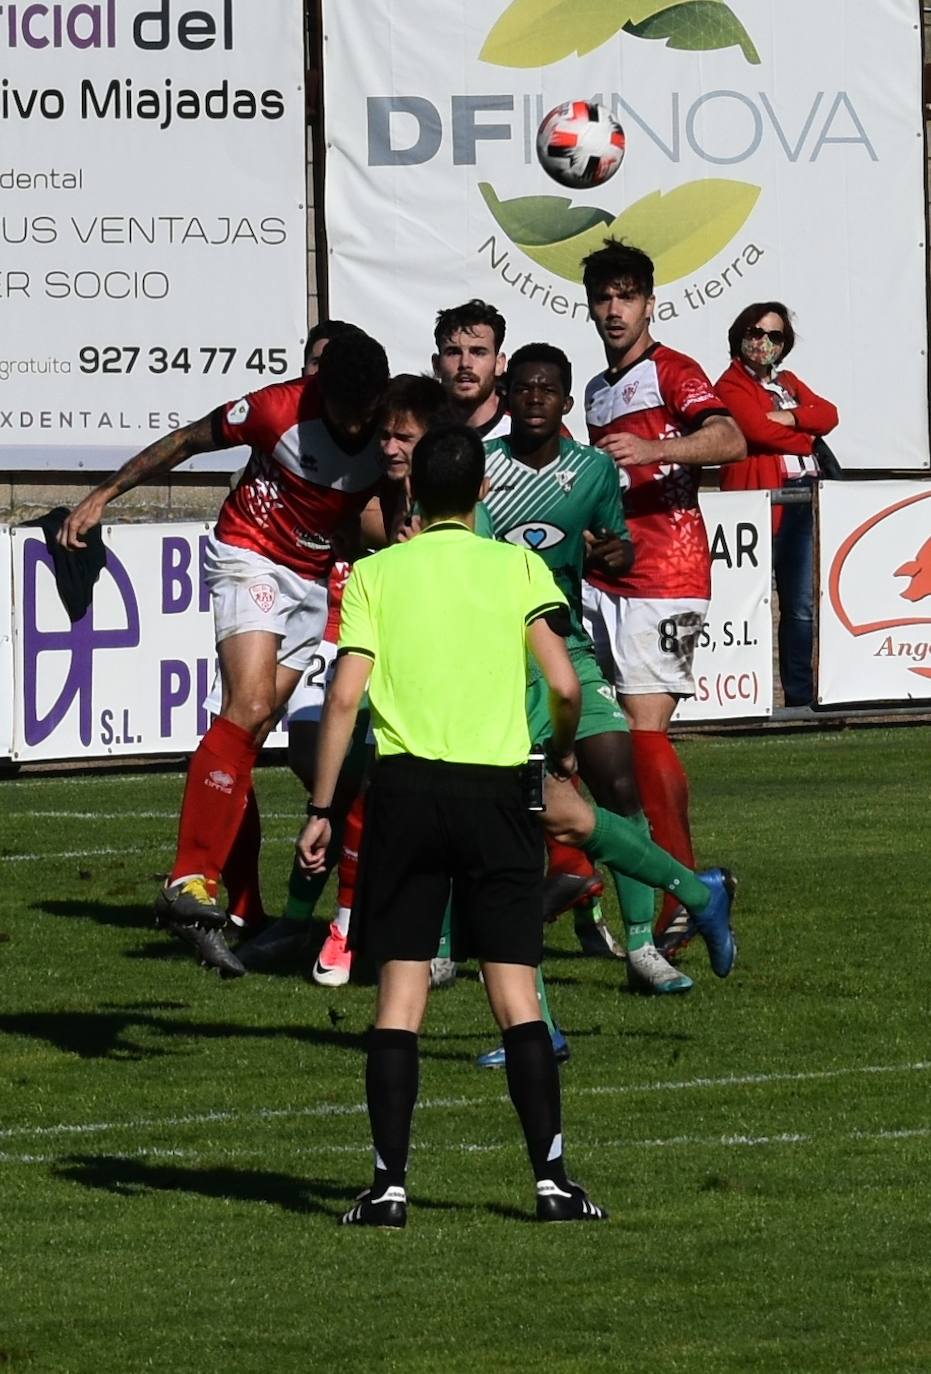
<point>874,626</point>
<point>152,205</point>
<point>766,155</point>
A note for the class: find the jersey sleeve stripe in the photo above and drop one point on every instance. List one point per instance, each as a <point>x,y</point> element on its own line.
<point>546,609</point>
<point>354,649</point>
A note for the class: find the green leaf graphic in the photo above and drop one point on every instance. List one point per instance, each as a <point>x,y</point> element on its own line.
<point>697,27</point>
<point>537,33</point>
<point>681,230</point>
<point>542,219</point>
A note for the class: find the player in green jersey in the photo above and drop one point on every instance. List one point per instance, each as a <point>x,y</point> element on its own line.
<point>563,500</point>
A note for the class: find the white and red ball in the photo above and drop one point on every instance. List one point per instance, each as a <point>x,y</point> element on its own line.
<point>580,144</point>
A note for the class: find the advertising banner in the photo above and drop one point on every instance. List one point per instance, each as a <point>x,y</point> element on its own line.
<point>734,659</point>
<point>874,632</point>
<point>131,676</point>
<point>766,155</point>
<point>6,645</point>
<point>152,208</point>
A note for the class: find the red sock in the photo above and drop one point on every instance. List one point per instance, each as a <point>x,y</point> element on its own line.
<point>349,854</point>
<point>218,782</point>
<point>241,870</point>
<point>664,791</point>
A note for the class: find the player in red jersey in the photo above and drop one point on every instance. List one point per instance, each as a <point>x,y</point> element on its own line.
<point>657,414</point>
<point>316,465</point>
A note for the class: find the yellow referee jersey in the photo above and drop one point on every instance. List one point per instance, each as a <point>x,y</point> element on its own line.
<point>444,619</point>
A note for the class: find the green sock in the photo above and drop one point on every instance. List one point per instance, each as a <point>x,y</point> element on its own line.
<point>304,892</point>
<point>544,1002</point>
<point>306,889</point>
<point>624,844</point>
<point>444,949</point>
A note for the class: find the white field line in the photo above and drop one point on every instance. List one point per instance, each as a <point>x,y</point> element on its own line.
<point>296,814</point>
<point>582,1147</point>
<point>132,848</point>
<point>329,1110</point>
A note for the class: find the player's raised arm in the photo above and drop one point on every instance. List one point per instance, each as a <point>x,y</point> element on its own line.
<point>201,436</point>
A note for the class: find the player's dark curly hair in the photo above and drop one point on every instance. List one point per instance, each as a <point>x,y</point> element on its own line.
<point>354,371</point>
<point>420,396</point>
<point>468,317</point>
<point>618,261</point>
<point>325,329</point>
<point>447,468</point>
<point>751,315</point>
<point>542,353</point>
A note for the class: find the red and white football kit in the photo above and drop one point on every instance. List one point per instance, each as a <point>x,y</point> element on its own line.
<point>271,553</point>
<point>646,622</point>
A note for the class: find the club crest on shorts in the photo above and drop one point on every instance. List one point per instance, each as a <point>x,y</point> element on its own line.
<point>264,596</point>
<point>220,781</point>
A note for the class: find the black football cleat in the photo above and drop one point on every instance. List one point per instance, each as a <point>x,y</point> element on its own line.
<point>210,947</point>
<point>389,1211</point>
<point>561,1204</point>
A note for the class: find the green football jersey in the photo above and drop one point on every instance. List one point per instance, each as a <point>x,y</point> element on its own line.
<point>549,509</point>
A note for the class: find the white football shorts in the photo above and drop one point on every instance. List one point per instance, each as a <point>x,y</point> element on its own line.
<point>250,592</point>
<point>644,646</point>
<point>306,701</point>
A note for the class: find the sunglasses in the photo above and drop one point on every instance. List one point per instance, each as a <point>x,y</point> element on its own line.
<point>755,333</point>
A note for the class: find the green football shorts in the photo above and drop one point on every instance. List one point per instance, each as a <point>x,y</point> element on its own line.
<point>600,711</point>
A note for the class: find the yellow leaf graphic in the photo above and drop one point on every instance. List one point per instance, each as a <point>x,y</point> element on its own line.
<point>681,230</point>
<point>536,33</point>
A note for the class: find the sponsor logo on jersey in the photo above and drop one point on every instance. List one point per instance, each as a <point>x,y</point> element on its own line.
<point>238,412</point>
<point>310,539</point>
<point>264,596</point>
<point>694,391</point>
<point>535,536</point>
<point>220,781</point>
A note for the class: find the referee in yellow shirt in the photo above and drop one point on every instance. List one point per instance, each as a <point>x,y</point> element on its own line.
<point>438,629</point>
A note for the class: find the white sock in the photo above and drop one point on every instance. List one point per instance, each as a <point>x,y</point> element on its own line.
<point>342,920</point>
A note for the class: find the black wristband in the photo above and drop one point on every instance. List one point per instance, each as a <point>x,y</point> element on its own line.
<point>321,813</point>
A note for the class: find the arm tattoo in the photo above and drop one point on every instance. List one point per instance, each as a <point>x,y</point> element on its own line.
<point>166,453</point>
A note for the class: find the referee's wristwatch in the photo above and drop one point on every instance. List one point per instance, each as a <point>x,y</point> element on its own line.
<point>319,813</point>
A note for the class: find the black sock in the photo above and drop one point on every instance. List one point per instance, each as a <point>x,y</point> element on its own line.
<point>533,1082</point>
<point>391,1091</point>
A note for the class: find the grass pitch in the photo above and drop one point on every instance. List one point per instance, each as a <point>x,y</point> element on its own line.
<point>174,1150</point>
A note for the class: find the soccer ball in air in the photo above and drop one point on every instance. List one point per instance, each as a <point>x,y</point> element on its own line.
<point>580,144</point>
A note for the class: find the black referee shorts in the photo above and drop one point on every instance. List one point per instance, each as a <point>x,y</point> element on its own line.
<point>435,830</point>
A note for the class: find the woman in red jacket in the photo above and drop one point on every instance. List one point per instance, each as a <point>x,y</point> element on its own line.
<point>781,419</point>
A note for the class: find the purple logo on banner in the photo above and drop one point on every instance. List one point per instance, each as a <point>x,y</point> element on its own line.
<point>81,640</point>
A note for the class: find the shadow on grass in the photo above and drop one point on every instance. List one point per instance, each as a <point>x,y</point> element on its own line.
<point>108,1033</point>
<point>123,915</point>
<point>131,1177</point>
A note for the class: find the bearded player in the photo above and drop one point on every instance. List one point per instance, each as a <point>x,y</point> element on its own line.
<point>656,414</point>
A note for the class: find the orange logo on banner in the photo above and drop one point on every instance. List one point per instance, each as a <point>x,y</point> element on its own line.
<point>917,569</point>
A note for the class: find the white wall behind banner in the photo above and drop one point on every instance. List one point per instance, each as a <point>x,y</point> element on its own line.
<point>874,635</point>
<point>768,156</point>
<point>152,190</point>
